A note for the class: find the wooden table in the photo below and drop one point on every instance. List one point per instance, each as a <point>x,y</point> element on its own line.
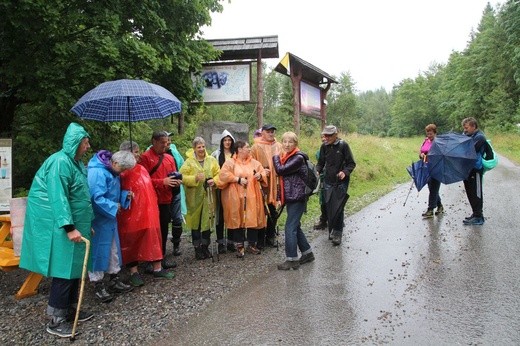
<point>9,262</point>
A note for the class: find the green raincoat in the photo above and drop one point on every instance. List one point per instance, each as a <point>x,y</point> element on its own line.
<point>201,210</point>
<point>59,196</point>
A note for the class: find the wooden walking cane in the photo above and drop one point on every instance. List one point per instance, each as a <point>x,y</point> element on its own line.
<point>82,286</point>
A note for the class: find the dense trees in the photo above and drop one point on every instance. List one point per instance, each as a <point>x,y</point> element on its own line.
<point>481,81</point>
<point>54,51</point>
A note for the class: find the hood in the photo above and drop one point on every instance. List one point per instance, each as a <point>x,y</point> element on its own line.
<point>225,134</point>
<point>73,137</point>
<point>101,160</point>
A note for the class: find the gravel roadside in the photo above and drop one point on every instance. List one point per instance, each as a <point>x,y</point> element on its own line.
<point>139,316</point>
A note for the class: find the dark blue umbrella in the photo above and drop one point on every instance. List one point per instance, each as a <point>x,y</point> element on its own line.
<point>451,157</point>
<point>420,173</point>
<point>126,100</point>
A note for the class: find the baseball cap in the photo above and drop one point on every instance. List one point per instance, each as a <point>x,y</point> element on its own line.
<point>268,127</point>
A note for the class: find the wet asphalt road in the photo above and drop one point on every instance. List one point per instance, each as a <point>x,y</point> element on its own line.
<point>396,279</point>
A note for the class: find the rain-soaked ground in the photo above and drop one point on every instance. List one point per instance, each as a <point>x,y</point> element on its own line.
<point>396,279</point>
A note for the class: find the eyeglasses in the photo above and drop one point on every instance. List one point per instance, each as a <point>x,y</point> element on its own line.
<point>327,135</point>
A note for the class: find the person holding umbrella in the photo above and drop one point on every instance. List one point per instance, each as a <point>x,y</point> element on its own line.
<point>292,169</point>
<point>199,173</point>
<point>239,180</point>
<point>473,183</point>
<point>336,162</point>
<point>434,199</point>
<point>59,212</point>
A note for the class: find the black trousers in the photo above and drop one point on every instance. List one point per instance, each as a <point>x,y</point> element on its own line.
<point>473,186</point>
<point>164,220</point>
<point>239,236</point>
<point>270,231</point>
<point>63,295</point>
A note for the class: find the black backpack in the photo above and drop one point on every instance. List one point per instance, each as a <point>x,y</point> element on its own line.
<point>312,181</point>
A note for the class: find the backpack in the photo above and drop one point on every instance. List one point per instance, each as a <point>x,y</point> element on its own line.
<point>489,157</point>
<point>312,181</point>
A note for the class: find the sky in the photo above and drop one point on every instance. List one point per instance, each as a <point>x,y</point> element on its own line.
<point>379,42</point>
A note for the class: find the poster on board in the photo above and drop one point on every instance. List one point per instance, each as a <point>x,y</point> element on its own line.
<point>310,99</point>
<point>224,83</point>
<point>6,182</point>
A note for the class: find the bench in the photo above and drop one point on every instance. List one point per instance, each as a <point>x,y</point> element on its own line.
<point>10,262</point>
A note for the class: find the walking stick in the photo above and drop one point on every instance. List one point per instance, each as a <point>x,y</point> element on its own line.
<point>211,220</point>
<point>409,190</point>
<point>82,287</point>
<point>244,218</point>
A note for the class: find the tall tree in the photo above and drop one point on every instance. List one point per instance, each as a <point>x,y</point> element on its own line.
<point>54,51</point>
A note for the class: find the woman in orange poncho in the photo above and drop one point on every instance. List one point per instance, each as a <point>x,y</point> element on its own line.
<point>240,178</point>
<point>139,228</point>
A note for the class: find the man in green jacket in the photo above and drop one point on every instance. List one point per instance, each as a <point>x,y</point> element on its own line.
<point>59,212</point>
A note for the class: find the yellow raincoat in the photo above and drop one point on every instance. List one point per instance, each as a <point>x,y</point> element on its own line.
<point>200,208</point>
<point>263,151</point>
<point>233,193</point>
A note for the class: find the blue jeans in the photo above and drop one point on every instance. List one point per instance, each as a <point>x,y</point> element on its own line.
<point>294,236</point>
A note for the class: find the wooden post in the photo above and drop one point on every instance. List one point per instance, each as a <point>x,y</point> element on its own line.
<point>259,91</point>
<point>323,105</point>
<point>296,77</point>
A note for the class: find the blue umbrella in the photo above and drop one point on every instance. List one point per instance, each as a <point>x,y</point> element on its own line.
<point>126,100</point>
<point>451,157</point>
<point>420,173</point>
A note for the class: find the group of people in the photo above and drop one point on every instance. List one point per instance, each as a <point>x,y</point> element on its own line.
<point>124,202</point>
<point>472,184</point>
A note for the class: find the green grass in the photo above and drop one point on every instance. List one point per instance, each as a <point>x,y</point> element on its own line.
<point>380,165</point>
<point>507,145</point>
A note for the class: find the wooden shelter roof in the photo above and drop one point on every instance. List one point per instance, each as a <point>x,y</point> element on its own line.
<point>247,48</point>
<point>310,73</point>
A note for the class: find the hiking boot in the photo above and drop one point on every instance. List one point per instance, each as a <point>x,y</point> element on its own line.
<point>240,251</point>
<point>149,268</point>
<point>308,257</point>
<point>475,220</point>
<point>206,252</point>
<point>102,293</point>
<point>199,254</point>
<point>163,274</point>
<point>115,285</point>
<point>252,249</point>
<point>469,217</point>
<point>336,238</point>
<point>270,242</point>
<point>83,315</point>
<point>176,250</point>
<point>440,210</point>
<point>136,280</point>
<point>288,265</point>
<point>60,327</point>
<point>221,248</point>
<point>320,225</point>
<point>168,263</point>
<point>427,214</point>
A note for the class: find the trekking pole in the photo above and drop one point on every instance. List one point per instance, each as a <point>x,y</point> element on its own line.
<point>82,287</point>
<point>407,195</point>
<point>244,218</point>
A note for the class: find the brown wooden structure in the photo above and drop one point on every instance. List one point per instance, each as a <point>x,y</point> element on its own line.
<point>250,49</point>
<point>300,70</point>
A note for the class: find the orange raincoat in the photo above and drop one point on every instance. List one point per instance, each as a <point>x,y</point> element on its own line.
<point>233,193</point>
<point>263,151</point>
